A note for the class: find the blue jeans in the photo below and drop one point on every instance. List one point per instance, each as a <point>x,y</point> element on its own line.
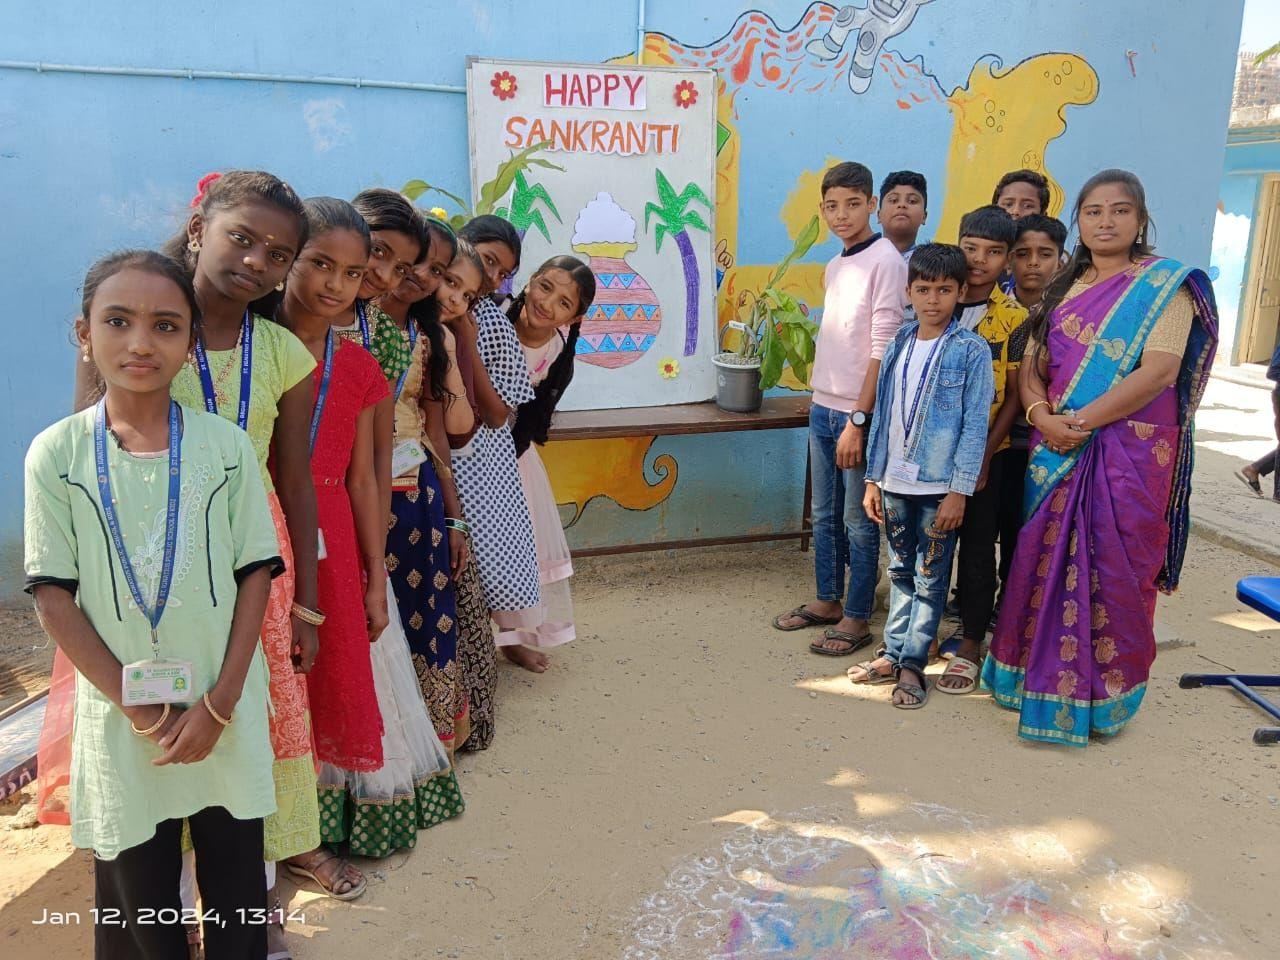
<point>843,534</point>
<point>919,574</point>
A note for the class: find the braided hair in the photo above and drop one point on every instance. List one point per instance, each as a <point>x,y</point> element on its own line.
<point>533,418</point>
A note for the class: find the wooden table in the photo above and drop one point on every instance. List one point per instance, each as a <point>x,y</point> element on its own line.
<point>681,420</point>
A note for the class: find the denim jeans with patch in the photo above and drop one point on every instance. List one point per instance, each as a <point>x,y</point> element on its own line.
<point>919,575</point>
<point>843,534</point>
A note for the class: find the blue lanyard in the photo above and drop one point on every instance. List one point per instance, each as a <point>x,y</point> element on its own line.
<point>364,324</point>
<point>324,388</point>
<point>413,341</point>
<point>246,371</point>
<point>153,614</point>
<point>909,417</point>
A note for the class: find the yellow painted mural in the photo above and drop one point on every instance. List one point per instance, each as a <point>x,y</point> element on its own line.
<point>1004,120</point>
<point>1000,120</point>
<point>581,470</point>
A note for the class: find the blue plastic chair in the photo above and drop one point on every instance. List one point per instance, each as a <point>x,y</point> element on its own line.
<point>1263,594</point>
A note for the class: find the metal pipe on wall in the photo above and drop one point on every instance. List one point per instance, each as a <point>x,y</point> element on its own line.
<point>188,74</point>
<point>640,32</point>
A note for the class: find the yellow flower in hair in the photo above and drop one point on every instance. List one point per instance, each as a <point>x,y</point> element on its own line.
<point>669,367</point>
<point>439,213</point>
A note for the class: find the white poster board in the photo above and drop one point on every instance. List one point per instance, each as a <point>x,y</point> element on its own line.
<point>635,199</point>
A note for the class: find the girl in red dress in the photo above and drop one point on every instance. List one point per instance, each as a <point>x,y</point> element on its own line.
<point>351,576</point>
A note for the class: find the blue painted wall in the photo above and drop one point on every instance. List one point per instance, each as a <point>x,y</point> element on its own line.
<point>91,163</point>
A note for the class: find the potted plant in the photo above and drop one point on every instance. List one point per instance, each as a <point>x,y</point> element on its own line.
<point>775,331</point>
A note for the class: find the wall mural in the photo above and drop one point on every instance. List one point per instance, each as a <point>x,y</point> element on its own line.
<point>581,470</point>
<point>1001,118</point>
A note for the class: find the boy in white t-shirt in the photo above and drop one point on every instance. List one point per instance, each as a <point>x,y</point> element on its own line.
<point>924,456</point>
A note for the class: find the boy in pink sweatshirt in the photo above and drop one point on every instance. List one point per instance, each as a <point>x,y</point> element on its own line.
<point>866,299</point>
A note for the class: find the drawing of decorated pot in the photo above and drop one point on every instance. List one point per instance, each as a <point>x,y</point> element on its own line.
<point>626,316</point>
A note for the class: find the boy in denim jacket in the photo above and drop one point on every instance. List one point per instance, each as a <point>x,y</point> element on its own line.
<point>928,437</point>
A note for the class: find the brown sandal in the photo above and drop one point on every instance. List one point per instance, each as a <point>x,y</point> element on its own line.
<point>870,676</point>
<point>854,642</point>
<point>310,870</point>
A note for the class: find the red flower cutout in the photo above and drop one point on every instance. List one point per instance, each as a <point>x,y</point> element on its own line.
<point>504,85</point>
<point>686,94</point>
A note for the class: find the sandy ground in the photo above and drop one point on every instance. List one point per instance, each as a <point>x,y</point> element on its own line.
<point>687,782</point>
<point>26,654</point>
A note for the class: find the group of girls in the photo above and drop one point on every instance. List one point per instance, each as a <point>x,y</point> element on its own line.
<point>299,489</point>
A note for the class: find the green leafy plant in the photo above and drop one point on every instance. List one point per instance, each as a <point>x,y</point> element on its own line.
<point>522,213</point>
<point>493,192</point>
<point>776,331</point>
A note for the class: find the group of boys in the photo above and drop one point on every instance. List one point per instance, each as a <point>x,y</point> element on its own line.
<point>929,443</point>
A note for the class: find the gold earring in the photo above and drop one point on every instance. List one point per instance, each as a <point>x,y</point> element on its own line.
<point>193,245</point>
<point>84,356</point>
<point>280,286</point>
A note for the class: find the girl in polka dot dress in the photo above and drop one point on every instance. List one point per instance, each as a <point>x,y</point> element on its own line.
<point>485,469</point>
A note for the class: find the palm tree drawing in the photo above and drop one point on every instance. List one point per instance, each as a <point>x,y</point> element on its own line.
<point>523,214</point>
<point>675,218</point>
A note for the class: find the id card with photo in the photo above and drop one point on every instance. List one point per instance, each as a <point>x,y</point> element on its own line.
<point>406,456</point>
<point>156,681</point>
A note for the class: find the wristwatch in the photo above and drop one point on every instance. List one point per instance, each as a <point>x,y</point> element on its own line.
<point>859,418</point>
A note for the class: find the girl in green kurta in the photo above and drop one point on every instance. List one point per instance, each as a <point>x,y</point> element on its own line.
<point>148,537</point>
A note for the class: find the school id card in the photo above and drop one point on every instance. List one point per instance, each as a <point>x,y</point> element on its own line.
<point>407,455</point>
<point>903,471</point>
<point>156,681</point>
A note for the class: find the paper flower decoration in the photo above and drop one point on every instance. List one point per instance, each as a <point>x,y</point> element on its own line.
<point>504,85</point>
<point>669,367</point>
<point>686,94</point>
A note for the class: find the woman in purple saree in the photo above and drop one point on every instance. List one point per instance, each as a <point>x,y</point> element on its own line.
<point>1121,350</point>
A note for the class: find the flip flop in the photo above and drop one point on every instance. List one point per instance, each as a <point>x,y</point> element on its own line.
<point>965,670</point>
<point>872,678</point>
<point>912,690</point>
<point>1253,485</point>
<point>856,643</point>
<point>810,619</point>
